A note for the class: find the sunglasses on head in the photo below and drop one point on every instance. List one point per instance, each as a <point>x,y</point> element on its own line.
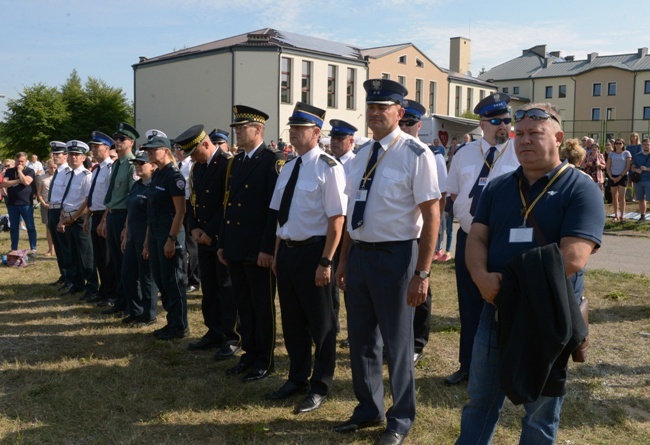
<point>536,114</point>
<point>408,123</point>
<point>498,120</point>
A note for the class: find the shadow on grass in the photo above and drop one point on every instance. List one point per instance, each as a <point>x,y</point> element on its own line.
<point>614,314</point>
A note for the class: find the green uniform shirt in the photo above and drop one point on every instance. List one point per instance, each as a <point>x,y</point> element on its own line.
<point>122,178</point>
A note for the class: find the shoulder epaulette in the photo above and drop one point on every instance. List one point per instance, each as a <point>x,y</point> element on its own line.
<point>415,147</point>
<point>330,161</point>
<point>87,172</point>
<point>226,154</point>
<point>360,147</point>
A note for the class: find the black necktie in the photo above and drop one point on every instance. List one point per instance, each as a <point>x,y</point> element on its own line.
<point>475,193</point>
<point>111,184</point>
<point>67,189</point>
<point>92,186</point>
<point>49,192</point>
<point>360,205</point>
<point>285,204</point>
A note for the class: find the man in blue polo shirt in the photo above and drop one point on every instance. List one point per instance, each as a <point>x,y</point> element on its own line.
<point>544,201</point>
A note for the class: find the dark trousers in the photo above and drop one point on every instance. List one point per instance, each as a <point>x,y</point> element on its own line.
<point>102,259</point>
<point>80,262</point>
<point>254,289</point>
<point>191,263</point>
<point>218,302</point>
<point>307,316</point>
<point>422,323</point>
<point>59,240</point>
<point>168,276</point>
<point>140,290</point>
<point>114,226</point>
<point>375,299</point>
<point>470,303</point>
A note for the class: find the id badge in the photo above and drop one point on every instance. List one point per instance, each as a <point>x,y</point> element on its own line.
<point>482,182</point>
<point>521,235</point>
<point>361,195</point>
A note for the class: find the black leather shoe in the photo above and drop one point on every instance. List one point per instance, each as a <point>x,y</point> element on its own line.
<point>457,377</point>
<point>344,343</point>
<point>87,296</point>
<point>256,374</point>
<point>106,302</point>
<point>288,389</point>
<point>96,299</point>
<point>172,334</point>
<point>115,310</point>
<point>237,369</point>
<point>72,291</point>
<point>390,438</point>
<point>352,425</point>
<point>142,322</point>
<point>208,341</point>
<point>65,287</point>
<point>58,282</point>
<point>311,403</point>
<point>131,319</point>
<point>226,352</point>
<point>159,331</point>
<point>417,357</point>
<point>191,289</point>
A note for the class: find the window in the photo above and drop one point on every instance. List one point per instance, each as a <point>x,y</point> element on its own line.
<point>350,88</point>
<point>561,91</point>
<point>549,92</point>
<point>419,63</point>
<point>385,76</point>
<point>419,85</point>
<point>609,114</point>
<point>515,90</point>
<point>306,82</point>
<point>595,114</point>
<point>285,81</point>
<point>459,91</point>
<point>505,89</point>
<point>611,89</point>
<point>432,97</point>
<point>596,89</point>
<point>402,59</point>
<point>647,87</point>
<point>646,113</point>
<point>401,80</point>
<point>331,86</point>
<point>482,95</point>
<point>470,96</point>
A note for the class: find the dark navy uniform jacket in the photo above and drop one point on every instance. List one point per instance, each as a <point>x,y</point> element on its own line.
<point>136,206</point>
<point>166,183</point>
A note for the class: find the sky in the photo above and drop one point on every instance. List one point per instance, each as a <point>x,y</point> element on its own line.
<point>43,41</point>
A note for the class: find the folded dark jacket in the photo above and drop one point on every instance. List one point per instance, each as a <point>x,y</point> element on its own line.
<point>539,325</point>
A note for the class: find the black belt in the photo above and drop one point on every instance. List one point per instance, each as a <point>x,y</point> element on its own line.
<point>378,246</point>
<point>310,240</point>
<point>117,211</point>
<point>97,212</point>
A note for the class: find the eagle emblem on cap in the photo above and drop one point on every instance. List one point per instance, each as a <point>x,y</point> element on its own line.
<point>376,84</point>
<point>154,133</point>
<point>74,143</point>
<point>120,127</point>
<point>497,97</point>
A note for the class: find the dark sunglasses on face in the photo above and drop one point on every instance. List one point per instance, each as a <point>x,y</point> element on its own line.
<point>497,120</point>
<point>408,123</point>
<point>535,114</point>
<point>120,137</point>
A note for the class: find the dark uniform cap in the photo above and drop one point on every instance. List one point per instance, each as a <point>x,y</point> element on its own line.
<point>341,128</point>
<point>413,109</point>
<point>127,130</point>
<point>305,115</point>
<point>153,132</point>
<point>75,146</point>
<point>493,105</point>
<point>140,156</point>
<point>58,147</point>
<point>100,138</point>
<point>219,136</point>
<point>246,115</point>
<point>384,91</point>
<point>190,138</point>
<point>157,142</point>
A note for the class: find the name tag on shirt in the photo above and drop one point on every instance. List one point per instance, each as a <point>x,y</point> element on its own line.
<point>521,235</point>
<point>160,188</point>
<point>482,182</point>
<point>361,195</point>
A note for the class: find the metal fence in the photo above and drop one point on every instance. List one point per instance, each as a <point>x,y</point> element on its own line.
<point>600,131</point>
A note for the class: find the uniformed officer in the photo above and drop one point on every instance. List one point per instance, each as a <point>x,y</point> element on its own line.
<point>140,290</point>
<point>311,205</point>
<point>166,237</point>
<point>114,219</point>
<point>100,144</point>
<point>247,241</point>
<point>411,124</point>
<point>79,265</point>
<point>473,167</point>
<point>57,189</point>
<point>208,188</point>
<point>384,273</point>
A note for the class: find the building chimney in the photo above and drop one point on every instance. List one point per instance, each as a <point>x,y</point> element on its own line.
<point>554,54</point>
<point>540,50</point>
<point>460,54</point>
<point>591,57</point>
<point>570,58</point>
<point>258,38</point>
<point>642,52</point>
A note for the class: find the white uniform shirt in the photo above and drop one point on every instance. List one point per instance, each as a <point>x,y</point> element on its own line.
<point>465,169</point>
<point>79,188</point>
<point>403,179</point>
<point>59,184</point>
<point>441,169</point>
<point>185,168</point>
<point>319,195</point>
<point>101,186</point>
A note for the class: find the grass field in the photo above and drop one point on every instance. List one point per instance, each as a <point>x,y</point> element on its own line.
<point>69,375</point>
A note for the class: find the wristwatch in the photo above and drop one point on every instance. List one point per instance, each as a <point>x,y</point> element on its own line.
<point>172,237</point>
<point>325,262</point>
<point>422,274</point>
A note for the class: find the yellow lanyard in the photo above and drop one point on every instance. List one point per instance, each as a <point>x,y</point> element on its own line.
<point>526,210</point>
<point>480,146</point>
<point>365,178</point>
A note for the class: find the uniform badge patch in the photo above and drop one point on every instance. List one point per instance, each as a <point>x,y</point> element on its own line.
<point>278,165</point>
<point>180,184</point>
